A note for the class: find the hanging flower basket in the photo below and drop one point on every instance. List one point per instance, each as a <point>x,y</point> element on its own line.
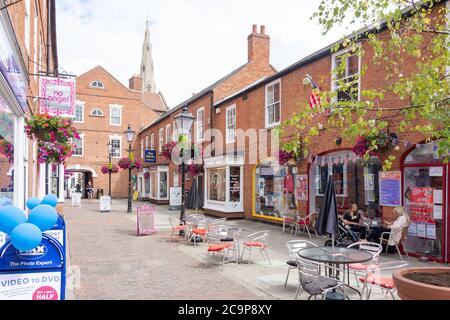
<point>46,128</point>
<point>167,150</point>
<point>373,145</point>
<point>7,149</point>
<point>53,152</point>
<point>284,157</point>
<point>195,169</point>
<point>126,163</point>
<point>110,168</point>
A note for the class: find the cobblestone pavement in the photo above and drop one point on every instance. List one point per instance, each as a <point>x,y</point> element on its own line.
<point>114,263</point>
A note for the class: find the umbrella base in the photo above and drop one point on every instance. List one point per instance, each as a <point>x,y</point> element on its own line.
<point>197,239</point>
<point>334,296</point>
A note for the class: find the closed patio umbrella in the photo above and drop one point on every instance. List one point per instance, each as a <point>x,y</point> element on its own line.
<point>195,200</point>
<point>327,222</point>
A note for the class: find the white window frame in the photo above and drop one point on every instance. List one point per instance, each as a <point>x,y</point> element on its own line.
<point>160,139</point>
<point>116,137</point>
<point>77,104</point>
<point>96,115</point>
<point>200,125</point>
<point>334,82</point>
<point>82,147</point>
<point>168,133</point>
<point>147,142</point>
<point>142,148</point>
<point>266,106</point>
<point>111,107</point>
<point>227,131</point>
<point>152,141</point>
<point>27,25</point>
<point>97,86</point>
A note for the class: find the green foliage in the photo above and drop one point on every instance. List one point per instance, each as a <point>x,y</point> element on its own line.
<point>421,96</point>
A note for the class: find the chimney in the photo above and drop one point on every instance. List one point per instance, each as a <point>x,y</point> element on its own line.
<point>259,45</point>
<point>135,83</point>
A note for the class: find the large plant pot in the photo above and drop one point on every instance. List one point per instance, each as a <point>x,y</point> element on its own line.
<point>408,289</point>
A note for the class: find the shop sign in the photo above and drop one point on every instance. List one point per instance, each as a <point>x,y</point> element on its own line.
<point>145,220</point>
<point>105,204</point>
<point>390,188</point>
<point>175,196</point>
<point>38,274</point>
<point>301,187</point>
<point>58,96</point>
<point>150,156</point>
<point>10,68</point>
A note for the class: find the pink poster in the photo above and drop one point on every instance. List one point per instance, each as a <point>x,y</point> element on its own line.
<point>301,187</point>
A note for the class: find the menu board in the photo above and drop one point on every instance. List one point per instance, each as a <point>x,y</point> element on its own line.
<point>390,188</point>
<point>301,187</point>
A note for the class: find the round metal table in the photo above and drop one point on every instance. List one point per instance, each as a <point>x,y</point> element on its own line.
<point>336,257</point>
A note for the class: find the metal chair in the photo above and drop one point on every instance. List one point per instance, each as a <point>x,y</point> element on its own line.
<point>294,246</point>
<point>257,240</point>
<point>401,241</point>
<point>197,227</point>
<point>177,226</point>
<point>373,277</point>
<point>373,248</point>
<point>290,218</point>
<point>307,222</point>
<point>214,238</point>
<point>313,282</point>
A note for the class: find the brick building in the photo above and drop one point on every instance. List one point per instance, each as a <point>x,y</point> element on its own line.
<point>104,109</point>
<point>233,186</point>
<point>28,49</point>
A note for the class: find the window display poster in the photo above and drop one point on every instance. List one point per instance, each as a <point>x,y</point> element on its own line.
<point>436,171</point>
<point>301,187</point>
<point>369,181</point>
<point>421,230</point>
<point>437,195</point>
<point>412,230</point>
<point>422,195</point>
<point>431,231</point>
<point>390,188</point>
<point>437,212</point>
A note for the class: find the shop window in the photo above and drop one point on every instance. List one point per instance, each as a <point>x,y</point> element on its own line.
<point>217,184</point>
<point>6,155</point>
<point>163,185</point>
<point>424,153</point>
<point>235,184</point>
<point>147,185</point>
<point>153,185</point>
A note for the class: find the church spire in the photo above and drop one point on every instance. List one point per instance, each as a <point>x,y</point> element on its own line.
<point>147,71</point>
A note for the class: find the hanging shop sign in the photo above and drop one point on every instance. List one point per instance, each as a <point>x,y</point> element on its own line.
<point>390,188</point>
<point>150,156</point>
<point>301,187</point>
<point>10,67</point>
<point>57,96</point>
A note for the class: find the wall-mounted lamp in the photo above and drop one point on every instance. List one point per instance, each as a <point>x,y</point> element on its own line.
<point>338,141</point>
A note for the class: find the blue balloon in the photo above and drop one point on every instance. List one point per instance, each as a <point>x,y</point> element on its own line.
<point>26,236</point>
<point>51,200</point>
<point>33,203</point>
<point>11,217</point>
<point>5,202</point>
<point>43,216</point>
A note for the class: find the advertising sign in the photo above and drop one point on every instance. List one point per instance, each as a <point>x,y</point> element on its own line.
<point>105,204</point>
<point>10,68</point>
<point>175,196</point>
<point>421,200</point>
<point>301,187</point>
<point>390,188</point>
<point>58,96</point>
<point>30,286</point>
<point>150,156</point>
<point>145,220</point>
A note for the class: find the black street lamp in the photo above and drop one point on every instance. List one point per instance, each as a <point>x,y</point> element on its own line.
<point>184,123</point>
<point>130,136</point>
<point>109,144</point>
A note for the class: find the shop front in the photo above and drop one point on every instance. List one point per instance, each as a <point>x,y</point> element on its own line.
<point>143,179</point>
<point>158,184</point>
<point>273,189</point>
<point>13,106</point>
<point>223,185</point>
<point>425,196</point>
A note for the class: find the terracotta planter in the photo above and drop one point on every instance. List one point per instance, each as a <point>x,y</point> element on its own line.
<point>412,290</point>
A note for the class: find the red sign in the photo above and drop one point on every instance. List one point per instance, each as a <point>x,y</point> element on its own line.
<point>421,200</point>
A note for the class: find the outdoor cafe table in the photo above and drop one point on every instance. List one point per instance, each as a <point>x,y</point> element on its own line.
<point>336,257</point>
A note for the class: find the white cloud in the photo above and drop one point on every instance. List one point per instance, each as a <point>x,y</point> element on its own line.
<point>195,42</point>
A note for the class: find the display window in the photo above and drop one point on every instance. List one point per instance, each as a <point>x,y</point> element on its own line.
<point>424,187</point>
<point>217,184</point>
<point>355,182</point>
<point>274,189</point>
<point>158,182</point>
<point>6,151</point>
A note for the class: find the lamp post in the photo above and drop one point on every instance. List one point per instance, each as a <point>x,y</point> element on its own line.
<point>184,123</point>
<point>130,136</point>
<point>109,144</point>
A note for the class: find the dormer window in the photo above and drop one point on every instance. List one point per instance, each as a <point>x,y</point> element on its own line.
<point>97,84</point>
<point>97,112</point>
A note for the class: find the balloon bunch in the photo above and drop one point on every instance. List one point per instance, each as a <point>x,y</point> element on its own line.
<point>26,233</point>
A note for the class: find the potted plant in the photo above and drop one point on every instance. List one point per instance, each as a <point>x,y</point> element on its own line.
<point>426,283</point>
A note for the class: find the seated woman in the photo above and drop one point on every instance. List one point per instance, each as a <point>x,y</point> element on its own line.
<point>396,228</point>
<point>352,219</point>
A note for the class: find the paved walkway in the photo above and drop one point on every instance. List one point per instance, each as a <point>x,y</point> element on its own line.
<point>116,264</point>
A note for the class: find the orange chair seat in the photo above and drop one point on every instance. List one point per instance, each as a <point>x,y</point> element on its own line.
<point>381,281</point>
<point>219,247</point>
<point>254,244</point>
<point>359,266</point>
<point>200,232</point>
<point>303,222</point>
<point>179,228</point>
<point>289,219</point>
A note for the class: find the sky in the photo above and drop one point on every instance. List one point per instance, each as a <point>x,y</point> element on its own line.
<point>195,42</point>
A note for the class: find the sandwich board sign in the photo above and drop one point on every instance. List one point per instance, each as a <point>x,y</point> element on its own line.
<point>38,274</point>
<point>105,204</point>
<point>146,220</point>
